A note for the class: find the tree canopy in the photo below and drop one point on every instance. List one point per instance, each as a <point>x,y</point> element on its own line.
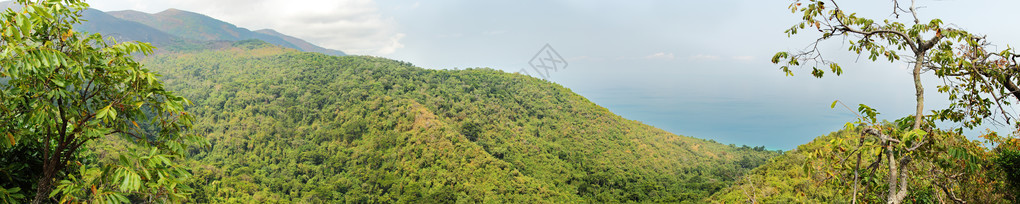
<point>288,126</point>
<point>63,90</point>
<point>977,81</point>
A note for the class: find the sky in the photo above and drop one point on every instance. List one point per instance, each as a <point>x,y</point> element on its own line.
<point>694,68</point>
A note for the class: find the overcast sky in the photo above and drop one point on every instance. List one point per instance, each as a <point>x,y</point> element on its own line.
<point>695,68</point>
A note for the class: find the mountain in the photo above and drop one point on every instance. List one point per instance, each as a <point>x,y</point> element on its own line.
<point>301,44</point>
<point>122,30</point>
<point>200,27</point>
<point>288,126</point>
<point>194,26</point>
<point>292,126</point>
<point>177,29</point>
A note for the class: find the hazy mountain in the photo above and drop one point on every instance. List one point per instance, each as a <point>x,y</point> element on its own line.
<point>196,26</point>
<point>101,22</point>
<point>302,44</point>
<point>175,28</point>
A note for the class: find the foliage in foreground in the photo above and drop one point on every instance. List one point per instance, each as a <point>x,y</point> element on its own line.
<point>913,157</point>
<point>61,90</point>
<point>822,172</point>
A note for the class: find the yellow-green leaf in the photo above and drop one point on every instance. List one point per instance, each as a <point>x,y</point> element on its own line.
<point>102,113</point>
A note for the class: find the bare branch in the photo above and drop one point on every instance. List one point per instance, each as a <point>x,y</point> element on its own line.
<point>857,168</point>
<point>950,193</point>
<point>913,11</point>
<point>877,133</point>
<point>752,196</point>
<point>866,34</point>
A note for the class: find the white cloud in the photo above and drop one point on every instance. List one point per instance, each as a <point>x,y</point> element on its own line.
<point>352,26</point>
<point>660,55</point>
<point>704,57</point>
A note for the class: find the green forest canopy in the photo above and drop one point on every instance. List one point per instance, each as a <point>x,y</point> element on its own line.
<point>304,127</point>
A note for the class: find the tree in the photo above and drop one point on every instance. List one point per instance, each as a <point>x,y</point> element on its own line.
<point>60,90</point>
<point>976,80</point>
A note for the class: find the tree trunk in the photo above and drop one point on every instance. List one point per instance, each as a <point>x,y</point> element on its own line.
<point>894,173</point>
<point>45,184</point>
<point>897,172</point>
<point>918,118</point>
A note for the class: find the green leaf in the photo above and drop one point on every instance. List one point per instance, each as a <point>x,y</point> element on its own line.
<point>807,169</point>
<point>131,181</point>
<point>124,161</point>
<point>58,82</point>
<point>833,104</point>
<point>104,112</point>
<point>778,56</point>
<point>149,77</point>
<point>836,69</point>
<point>817,72</point>
<point>24,25</point>
<point>41,56</point>
<point>42,11</point>
<point>112,113</point>
<point>163,159</point>
<point>121,198</point>
<point>915,135</point>
<point>125,184</point>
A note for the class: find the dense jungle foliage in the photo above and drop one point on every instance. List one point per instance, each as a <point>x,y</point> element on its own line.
<point>214,118</point>
<point>287,126</point>
<point>965,168</point>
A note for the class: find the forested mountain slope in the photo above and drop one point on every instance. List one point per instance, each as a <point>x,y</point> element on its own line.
<point>290,126</point>
<point>811,174</point>
<point>784,180</point>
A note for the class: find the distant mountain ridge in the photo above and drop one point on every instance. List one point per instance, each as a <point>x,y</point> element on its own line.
<point>196,26</point>
<point>301,44</point>
<point>123,30</point>
<point>178,28</point>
